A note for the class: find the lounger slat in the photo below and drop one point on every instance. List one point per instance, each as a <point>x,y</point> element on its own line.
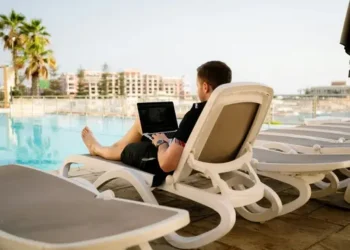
<point>326,135</point>
<point>301,141</point>
<point>42,207</point>
<point>328,127</point>
<point>267,156</point>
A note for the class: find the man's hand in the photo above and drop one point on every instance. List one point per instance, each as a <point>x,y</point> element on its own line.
<point>159,136</point>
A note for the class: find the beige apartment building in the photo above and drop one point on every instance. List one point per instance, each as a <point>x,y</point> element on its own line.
<point>131,83</point>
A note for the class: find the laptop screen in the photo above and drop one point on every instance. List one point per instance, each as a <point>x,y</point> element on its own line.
<point>157,117</point>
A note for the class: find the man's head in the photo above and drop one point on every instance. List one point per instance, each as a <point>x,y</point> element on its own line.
<point>210,75</point>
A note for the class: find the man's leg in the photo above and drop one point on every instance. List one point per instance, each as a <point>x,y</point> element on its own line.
<point>112,152</point>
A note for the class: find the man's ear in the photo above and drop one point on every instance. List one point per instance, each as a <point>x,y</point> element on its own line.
<point>207,87</point>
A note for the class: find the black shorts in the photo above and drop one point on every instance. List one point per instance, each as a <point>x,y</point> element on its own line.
<point>143,156</point>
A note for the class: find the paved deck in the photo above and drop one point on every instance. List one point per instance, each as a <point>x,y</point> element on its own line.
<point>316,226</point>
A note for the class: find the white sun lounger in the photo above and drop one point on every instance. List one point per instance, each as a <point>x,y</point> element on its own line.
<point>305,132</point>
<point>43,211</point>
<point>299,171</point>
<point>298,144</point>
<point>220,147</point>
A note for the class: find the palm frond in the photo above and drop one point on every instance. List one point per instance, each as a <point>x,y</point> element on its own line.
<point>4,18</point>
<point>46,52</point>
<point>13,15</point>
<point>52,63</point>
<point>36,22</point>
<point>44,72</point>
<point>28,73</point>
<point>20,62</point>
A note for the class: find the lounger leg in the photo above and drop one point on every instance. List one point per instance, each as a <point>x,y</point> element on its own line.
<point>346,182</point>
<point>64,169</point>
<point>301,183</point>
<point>345,172</point>
<point>253,211</point>
<point>137,182</point>
<point>257,213</point>
<point>326,188</point>
<point>216,202</point>
<point>145,246</point>
<point>347,194</point>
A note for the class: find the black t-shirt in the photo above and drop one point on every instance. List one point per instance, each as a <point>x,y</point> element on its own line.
<point>188,122</point>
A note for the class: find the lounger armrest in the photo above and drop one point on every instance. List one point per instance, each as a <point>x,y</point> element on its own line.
<point>219,168</point>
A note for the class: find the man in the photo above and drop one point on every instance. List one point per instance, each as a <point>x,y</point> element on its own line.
<point>161,156</point>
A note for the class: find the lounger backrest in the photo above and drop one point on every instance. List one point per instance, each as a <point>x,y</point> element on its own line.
<point>229,133</point>
<point>229,123</point>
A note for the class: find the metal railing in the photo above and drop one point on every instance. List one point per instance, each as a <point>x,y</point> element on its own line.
<point>284,109</point>
<point>101,106</point>
<point>293,109</point>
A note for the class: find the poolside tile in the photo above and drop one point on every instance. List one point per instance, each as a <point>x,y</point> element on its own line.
<point>337,241</point>
<point>197,211</point>
<point>332,215</point>
<point>161,244</point>
<point>292,232</point>
<point>336,200</point>
<point>115,184</point>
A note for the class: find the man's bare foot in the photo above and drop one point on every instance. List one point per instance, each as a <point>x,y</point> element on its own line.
<point>89,140</point>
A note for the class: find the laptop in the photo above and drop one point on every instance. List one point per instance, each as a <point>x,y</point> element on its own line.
<point>157,117</point>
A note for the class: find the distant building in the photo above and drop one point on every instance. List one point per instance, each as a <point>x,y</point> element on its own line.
<point>69,83</point>
<point>337,88</point>
<point>131,83</point>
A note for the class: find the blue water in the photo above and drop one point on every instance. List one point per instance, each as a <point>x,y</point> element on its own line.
<point>44,142</point>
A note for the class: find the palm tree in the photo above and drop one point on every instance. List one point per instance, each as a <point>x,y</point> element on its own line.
<point>13,39</point>
<point>39,59</point>
<point>35,33</point>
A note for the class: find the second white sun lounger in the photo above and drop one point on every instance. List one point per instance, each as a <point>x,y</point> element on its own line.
<point>299,171</point>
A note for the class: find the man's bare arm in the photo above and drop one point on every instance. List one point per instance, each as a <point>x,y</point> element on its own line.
<point>169,155</point>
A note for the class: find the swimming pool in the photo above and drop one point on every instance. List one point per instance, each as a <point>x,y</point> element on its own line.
<point>44,142</point>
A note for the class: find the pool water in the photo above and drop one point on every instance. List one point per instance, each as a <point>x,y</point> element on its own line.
<point>44,142</point>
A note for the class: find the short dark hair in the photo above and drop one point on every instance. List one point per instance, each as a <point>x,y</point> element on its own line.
<point>214,73</point>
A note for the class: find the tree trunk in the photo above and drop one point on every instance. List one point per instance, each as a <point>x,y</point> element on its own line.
<point>35,84</point>
<point>14,55</point>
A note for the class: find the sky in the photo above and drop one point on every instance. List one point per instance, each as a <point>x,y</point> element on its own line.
<point>285,44</point>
